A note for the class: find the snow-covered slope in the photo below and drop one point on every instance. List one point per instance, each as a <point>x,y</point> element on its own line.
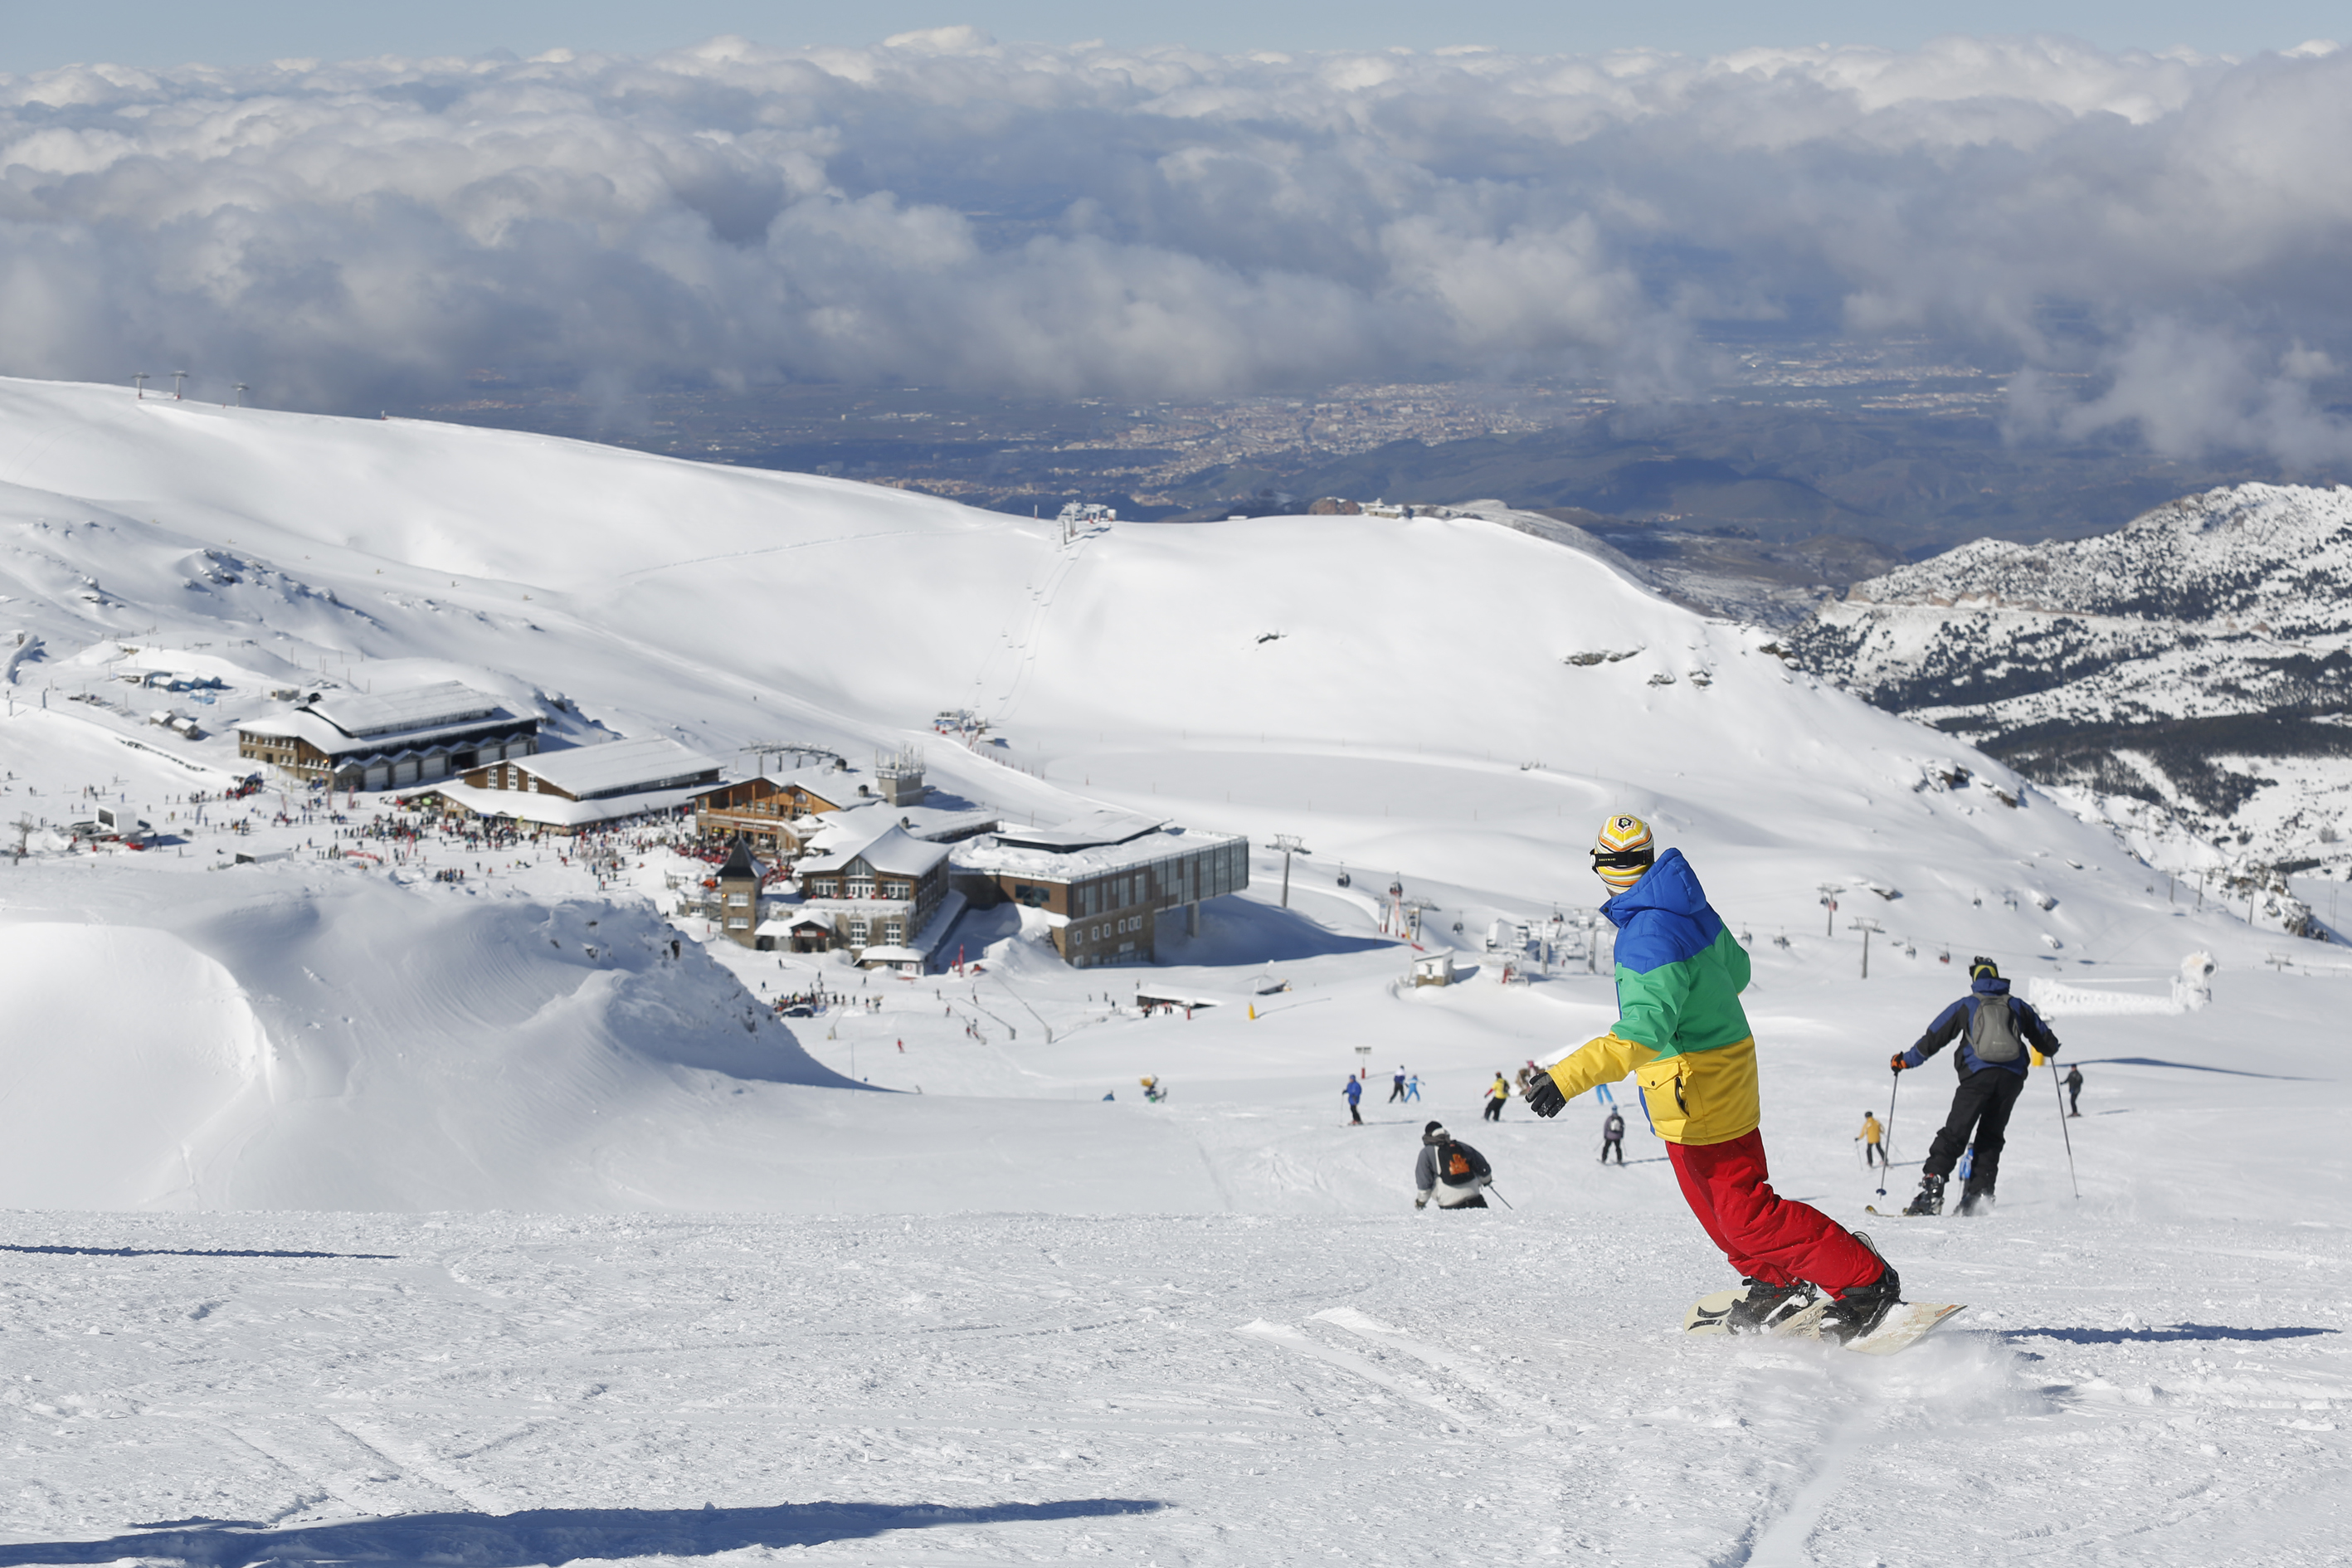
<point>1093,1326</point>
<point>1450,702</point>
<point>2198,660</point>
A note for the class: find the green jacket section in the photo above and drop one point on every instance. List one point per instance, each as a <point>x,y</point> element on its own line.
<point>1691,1006</point>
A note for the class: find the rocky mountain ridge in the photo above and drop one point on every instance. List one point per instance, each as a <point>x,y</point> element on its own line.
<point>2196,662</point>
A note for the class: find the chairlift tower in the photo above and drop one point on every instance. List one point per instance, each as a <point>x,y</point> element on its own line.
<point>139,380</point>
<point>179,382</point>
<point>1828,891</point>
<point>241,390</point>
<point>1289,845</point>
<point>1865,927</point>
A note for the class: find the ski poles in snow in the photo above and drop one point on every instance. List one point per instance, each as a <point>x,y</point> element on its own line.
<point>1498,1196</point>
<point>2059,1088</point>
<point>1887,1144</point>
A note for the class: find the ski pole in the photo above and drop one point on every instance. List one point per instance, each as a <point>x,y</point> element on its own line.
<point>1498,1196</point>
<point>2058,1090</point>
<point>1887,1144</point>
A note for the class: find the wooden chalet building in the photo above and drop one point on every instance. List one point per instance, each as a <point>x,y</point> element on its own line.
<point>390,740</point>
<point>765,809</point>
<point>876,898</point>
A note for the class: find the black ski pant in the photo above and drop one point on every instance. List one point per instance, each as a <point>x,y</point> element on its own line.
<point>2074,1099</point>
<point>1396,1092</point>
<point>1493,1111</point>
<point>1353,1119</point>
<point>1983,1102</point>
<point>1612,1146</point>
<point>1872,1154</point>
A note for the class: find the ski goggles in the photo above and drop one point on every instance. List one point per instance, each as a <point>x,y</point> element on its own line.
<point>1622,859</point>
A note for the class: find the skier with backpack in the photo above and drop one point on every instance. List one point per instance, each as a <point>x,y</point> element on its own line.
<point>1993,1029</point>
<point>1683,1033</point>
<point>1612,1137</point>
<point>1455,1174</point>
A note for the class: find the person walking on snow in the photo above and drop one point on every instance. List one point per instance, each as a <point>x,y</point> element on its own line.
<point>1455,1173</point>
<point>1873,1151</point>
<point>1355,1093</point>
<point>1396,1089</point>
<point>1994,1028</point>
<point>1497,1093</point>
<point>1612,1137</point>
<point>1683,1033</point>
<point>1413,1089</point>
<point>2074,1081</point>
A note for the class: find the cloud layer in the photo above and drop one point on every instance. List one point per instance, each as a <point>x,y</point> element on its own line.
<point>2157,242</point>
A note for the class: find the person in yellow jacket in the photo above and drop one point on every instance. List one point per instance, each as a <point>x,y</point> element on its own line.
<point>1873,1141</point>
<point>1683,1034</point>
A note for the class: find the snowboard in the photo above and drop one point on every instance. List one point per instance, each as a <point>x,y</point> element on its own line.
<point>1904,1326</point>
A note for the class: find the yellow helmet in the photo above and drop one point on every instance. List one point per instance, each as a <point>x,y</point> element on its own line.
<point>1623,851</point>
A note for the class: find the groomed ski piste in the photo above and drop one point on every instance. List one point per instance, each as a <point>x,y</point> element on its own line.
<point>354,1216</point>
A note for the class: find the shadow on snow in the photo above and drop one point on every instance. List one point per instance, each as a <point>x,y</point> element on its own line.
<point>2193,1066</point>
<point>185,1252</point>
<point>552,1535</point>
<point>2177,1332</point>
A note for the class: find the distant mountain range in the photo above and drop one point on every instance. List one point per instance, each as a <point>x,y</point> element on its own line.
<point>2199,660</point>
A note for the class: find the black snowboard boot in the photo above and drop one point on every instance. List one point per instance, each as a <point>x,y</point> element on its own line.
<point>1976,1200</point>
<point>1931,1196</point>
<point>1865,1307</point>
<point>1765,1305</point>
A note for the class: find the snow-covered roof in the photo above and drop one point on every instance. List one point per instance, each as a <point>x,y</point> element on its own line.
<point>1090,831</point>
<point>361,715</point>
<point>554,810</point>
<point>620,767</point>
<point>997,853</point>
<point>894,852</point>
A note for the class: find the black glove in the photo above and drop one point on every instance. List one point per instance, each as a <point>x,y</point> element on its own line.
<point>1542,1095</point>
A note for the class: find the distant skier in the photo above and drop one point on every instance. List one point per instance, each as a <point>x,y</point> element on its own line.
<point>1994,1028</point>
<point>1497,1093</point>
<point>1871,1139</point>
<point>1455,1173</point>
<point>2074,1081</point>
<point>1612,1137</point>
<point>1355,1093</point>
<point>1413,1089</point>
<point>1682,1031</point>
<point>1396,1089</point>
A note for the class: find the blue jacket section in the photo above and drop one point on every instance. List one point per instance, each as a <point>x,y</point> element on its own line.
<point>1354,1090</point>
<point>1662,919</point>
<point>1957,1022</point>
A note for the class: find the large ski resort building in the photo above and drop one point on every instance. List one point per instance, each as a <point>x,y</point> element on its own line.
<point>1104,880</point>
<point>356,741</point>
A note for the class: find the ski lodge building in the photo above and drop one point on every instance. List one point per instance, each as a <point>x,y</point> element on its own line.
<point>884,898</point>
<point>1104,879</point>
<point>811,810</point>
<point>388,740</point>
<point>579,785</point>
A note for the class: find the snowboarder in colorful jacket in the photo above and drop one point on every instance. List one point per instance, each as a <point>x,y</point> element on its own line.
<point>1993,1029</point>
<point>1683,1033</point>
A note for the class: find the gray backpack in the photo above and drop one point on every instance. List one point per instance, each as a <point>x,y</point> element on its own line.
<point>1992,1033</point>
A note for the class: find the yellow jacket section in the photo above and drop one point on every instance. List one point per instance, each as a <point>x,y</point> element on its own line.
<point>1699,1097</point>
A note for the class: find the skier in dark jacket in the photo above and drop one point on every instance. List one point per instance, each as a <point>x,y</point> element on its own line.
<point>1612,1137</point>
<point>2073,1090</point>
<point>1455,1173</point>
<point>1993,1029</point>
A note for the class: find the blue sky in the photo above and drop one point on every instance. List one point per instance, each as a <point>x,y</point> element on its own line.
<point>39,34</point>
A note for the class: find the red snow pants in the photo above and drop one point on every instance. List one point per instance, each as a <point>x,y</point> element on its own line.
<point>1766,1236</point>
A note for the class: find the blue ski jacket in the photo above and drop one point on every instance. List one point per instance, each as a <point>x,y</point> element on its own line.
<point>1957,1022</point>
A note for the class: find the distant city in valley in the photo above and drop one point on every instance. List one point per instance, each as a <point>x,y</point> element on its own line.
<point>1825,447</point>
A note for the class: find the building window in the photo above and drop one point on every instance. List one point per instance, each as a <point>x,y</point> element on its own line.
<point>823,887</point>
<point>894,931</point>
<point>739,923</point>
<point>739,900</point>
<point>857,931</point>
<point>861,887</point>
<point>895,890</point>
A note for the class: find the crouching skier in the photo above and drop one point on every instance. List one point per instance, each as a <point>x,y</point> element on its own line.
<point>1456,1172</point>
<point>1682,1032</point>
